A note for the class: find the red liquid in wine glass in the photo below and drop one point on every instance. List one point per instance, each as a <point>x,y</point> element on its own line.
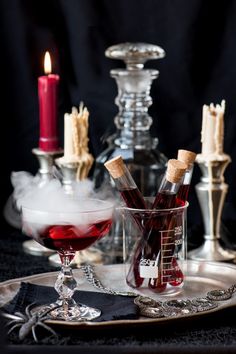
<point>73,238</point>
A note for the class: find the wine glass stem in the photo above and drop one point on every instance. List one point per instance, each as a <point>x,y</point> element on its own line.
<point>65,284</point>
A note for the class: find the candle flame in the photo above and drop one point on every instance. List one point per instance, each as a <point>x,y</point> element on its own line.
<point>47,63</point>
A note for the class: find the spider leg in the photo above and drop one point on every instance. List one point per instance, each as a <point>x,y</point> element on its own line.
<point>15,326</point>
<point>47,328</point>
<point>15,321</point>
<point>28,309</point>
<point>21,315</point>
<point>10,316</point>
<point>34,334</point>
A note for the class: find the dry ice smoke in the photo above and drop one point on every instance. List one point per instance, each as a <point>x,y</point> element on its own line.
<point>48,204</point>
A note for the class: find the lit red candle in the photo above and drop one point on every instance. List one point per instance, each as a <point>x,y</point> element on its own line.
<point>48,100</point>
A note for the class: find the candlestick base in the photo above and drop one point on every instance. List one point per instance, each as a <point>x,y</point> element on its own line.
<point>34,248</point>
<point>211,250</point>
<point>46,162</point>
<point>211,192</point>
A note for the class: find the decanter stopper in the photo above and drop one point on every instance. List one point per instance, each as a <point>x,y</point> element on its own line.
<point>135,54</point>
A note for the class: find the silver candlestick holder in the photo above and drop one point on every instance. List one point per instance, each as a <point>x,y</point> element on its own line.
<point>211,192</point>
<point>46,162</point>
<point>68,172</point>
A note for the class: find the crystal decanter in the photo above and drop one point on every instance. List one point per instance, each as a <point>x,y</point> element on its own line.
<point>132,139</point>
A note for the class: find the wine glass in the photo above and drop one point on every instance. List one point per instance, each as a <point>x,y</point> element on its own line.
<point>68,231</point>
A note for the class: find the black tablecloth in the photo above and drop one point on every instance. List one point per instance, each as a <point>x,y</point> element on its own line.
<point>215,333</point>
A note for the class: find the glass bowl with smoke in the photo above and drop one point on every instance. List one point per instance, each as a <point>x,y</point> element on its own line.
<point>66,224</point>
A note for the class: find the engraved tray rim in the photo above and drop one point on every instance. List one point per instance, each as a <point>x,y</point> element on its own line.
<point>9,288</point>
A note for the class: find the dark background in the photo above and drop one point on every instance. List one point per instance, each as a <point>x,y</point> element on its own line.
<point>199,38</point>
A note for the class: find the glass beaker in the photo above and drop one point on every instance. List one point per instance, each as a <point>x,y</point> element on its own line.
<point>155,248</point>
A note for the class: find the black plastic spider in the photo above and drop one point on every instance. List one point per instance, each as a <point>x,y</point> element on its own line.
<point>28,322</point>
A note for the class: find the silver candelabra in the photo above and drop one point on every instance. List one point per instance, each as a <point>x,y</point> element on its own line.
<point>211,192</point>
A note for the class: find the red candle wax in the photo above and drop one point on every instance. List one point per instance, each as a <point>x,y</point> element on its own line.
<point>48,97</point>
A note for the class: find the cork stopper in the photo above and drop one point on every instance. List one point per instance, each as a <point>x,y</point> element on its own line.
<point>175,170</point>
<point>186,156</point>
<point>115,167</point>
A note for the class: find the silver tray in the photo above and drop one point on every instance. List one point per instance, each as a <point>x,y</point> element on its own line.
<point>201,277</point>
